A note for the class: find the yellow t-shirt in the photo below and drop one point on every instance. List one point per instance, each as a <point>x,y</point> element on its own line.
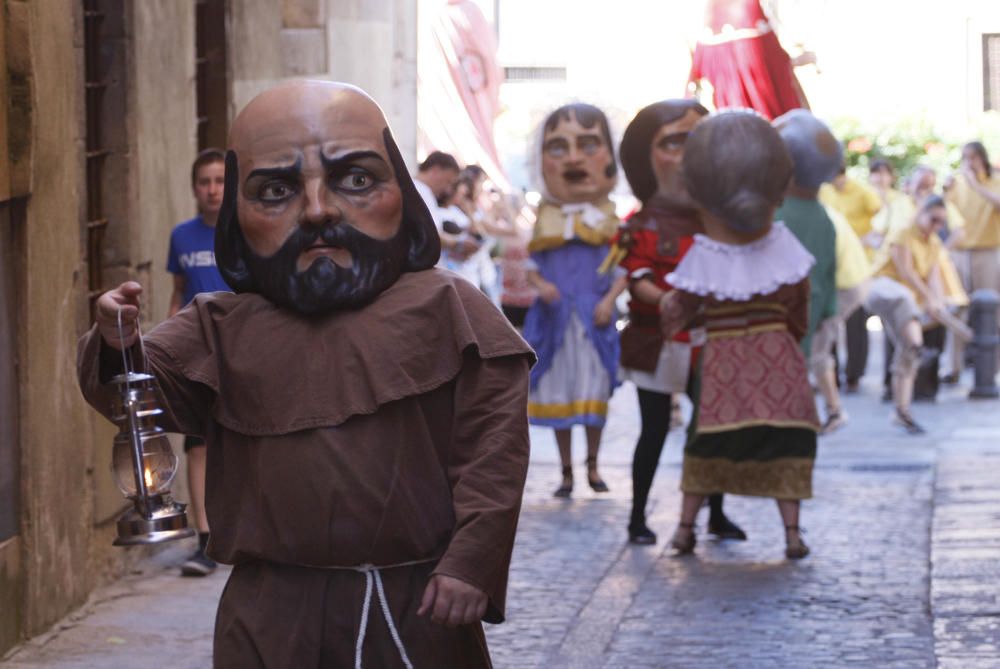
<point>926,253</point>
<point>852,260</point>
<point>982,217</point>
<point>900,213</point>
<point>880,221</point>
<point>857,202</point>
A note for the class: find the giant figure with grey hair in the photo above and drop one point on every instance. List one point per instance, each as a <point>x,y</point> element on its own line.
<point>816,159</point>
<point>747,282</point>
<point>365,412</point>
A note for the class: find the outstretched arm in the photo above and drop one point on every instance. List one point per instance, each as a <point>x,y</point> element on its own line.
<point>99,358</point>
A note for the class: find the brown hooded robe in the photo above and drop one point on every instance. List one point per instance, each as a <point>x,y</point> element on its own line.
<point>389,435</point>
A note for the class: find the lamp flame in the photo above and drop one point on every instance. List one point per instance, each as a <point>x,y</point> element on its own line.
<point>149,478</point>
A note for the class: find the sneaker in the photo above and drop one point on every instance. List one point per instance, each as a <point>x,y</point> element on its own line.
<point>834,421</point>
<point>905,420</point>
<point>198,564</point>
<point>852,388</point>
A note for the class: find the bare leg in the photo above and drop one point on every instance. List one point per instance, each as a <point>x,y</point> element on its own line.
<point>789,510</point>
<point>564,439</point>
<point>690,506</point>
<point>795,548</point>
<point>593,445</point>
<point>823,367</point>
<point>827,384</point>
<point>683,540</point>
<point>905,368</point>
<point>196,458</point>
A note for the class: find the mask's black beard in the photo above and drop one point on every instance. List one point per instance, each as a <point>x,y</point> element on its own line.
<point>325,286</point>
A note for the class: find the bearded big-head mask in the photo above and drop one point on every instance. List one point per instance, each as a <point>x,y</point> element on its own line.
<point>319,212</point>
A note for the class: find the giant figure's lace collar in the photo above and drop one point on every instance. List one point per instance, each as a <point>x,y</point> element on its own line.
<point>740,271</point>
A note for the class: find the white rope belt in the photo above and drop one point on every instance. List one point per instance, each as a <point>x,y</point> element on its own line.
<point>374,575</point>
<point>373,583</point>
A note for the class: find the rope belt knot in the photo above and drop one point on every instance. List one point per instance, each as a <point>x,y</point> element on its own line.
<point>373,581</point>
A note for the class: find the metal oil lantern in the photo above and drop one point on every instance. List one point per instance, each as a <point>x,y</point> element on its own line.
<point>142,462</point>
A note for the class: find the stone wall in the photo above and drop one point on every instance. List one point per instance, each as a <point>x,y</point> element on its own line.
<point>55,455</point>
<point>368,43</point>
<point>69,503</point>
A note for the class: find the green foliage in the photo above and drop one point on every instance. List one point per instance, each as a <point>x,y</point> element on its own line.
<point>911,142</point>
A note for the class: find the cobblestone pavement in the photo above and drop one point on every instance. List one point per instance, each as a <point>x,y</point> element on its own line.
<point>905,572</point>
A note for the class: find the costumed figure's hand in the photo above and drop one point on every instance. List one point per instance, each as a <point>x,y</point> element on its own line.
<point>125,298</point>
<point>451,601</point>
<point>548,292</point>
<point>603,313</point>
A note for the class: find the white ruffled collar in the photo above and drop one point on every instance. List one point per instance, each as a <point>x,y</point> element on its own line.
<point>740,271</point>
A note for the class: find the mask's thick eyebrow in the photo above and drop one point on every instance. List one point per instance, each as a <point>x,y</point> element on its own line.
<point>293,170</point>
<point>337,162</point>
<point>674,137</point>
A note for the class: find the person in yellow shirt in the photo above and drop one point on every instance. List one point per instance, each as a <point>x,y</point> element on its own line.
<point>859,204</point>
<point>975,192</point>
<point>915,283</point>
<point>882,178</point>
<point>900,212</point>
<point>852,273</point>
<point>855,200</point>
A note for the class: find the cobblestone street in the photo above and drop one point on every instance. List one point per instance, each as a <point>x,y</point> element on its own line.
<point>905,534</point>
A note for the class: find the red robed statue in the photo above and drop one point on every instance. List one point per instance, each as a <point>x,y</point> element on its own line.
<point>739,54</point>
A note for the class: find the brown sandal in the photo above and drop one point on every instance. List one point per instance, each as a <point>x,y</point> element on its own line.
<point>566,489</point>
<point>798,549</point>
<point>684,546</point>
<point>597,484</point>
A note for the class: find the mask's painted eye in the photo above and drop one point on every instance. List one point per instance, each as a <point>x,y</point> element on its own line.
<point>275,191</point>
<point>590,145</point>
<point>673,142</point>
<point>556,148</point>
<point>355,181</point>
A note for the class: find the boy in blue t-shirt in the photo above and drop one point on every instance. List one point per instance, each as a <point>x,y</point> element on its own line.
<point>192,262</point>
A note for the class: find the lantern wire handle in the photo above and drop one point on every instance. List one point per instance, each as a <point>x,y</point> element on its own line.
<point>127,361</point>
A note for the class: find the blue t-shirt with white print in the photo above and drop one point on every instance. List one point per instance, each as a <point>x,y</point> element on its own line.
<point>192,255</point>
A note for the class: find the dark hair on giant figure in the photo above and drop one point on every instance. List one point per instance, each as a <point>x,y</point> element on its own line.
<point>588,116</point>
<point>324,286</point>
<point>636,148</point>
<point>206,157</point>
<point>980,150</point>
<point>737,168</point>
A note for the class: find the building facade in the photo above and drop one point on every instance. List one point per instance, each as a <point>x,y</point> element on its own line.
<point>105,105</point>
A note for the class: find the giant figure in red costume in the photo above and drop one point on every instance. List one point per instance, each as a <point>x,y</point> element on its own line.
<point>739,54</point>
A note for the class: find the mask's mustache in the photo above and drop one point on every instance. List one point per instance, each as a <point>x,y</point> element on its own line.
<point>342,235</point>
